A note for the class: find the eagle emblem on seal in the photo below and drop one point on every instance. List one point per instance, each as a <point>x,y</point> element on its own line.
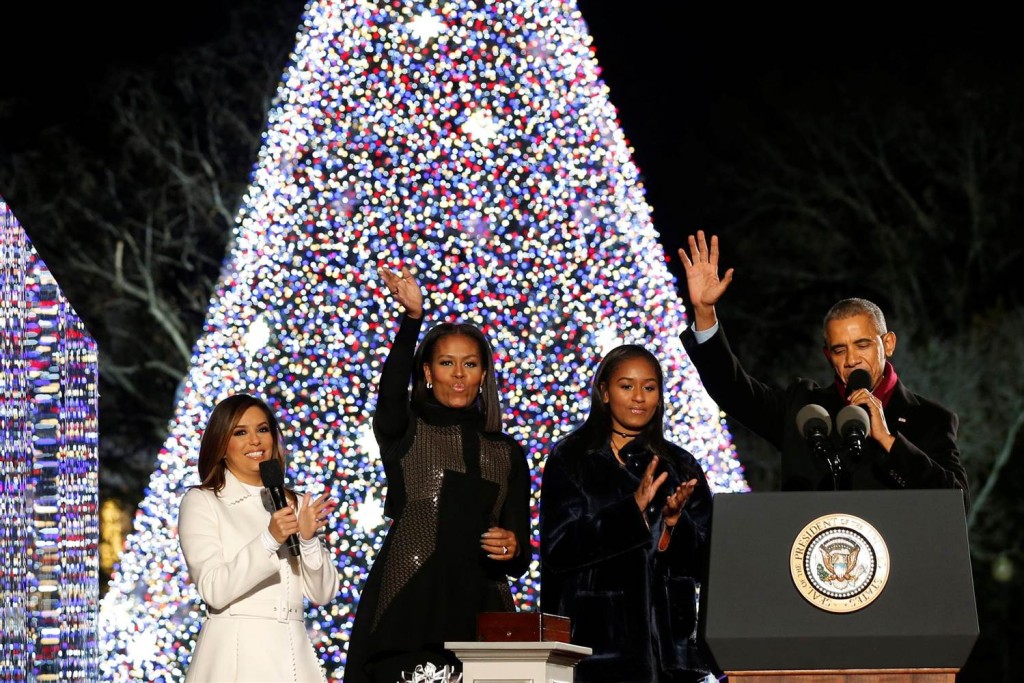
<point>839,563</point>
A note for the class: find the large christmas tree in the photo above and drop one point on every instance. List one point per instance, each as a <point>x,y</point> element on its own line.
<point>474,142</point>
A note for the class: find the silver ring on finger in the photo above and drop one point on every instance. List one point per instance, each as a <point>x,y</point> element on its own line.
<point>504,550</point>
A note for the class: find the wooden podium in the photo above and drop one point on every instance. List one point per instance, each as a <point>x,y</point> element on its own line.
<point>519,647</point>
<point>518,662</point>
<point>840,587</point>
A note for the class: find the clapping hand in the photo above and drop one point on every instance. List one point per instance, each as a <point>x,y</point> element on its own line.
<point>674,505</point>
<point>313,514</point>
<point>649,484</point>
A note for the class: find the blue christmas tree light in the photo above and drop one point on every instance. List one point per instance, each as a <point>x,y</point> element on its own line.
<point>475,143</point>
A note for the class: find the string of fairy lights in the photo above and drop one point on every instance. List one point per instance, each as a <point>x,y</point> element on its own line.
<point>49,473</point>
<point>475,143</point>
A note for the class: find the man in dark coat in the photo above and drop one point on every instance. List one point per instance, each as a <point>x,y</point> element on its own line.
<point>909,441</point>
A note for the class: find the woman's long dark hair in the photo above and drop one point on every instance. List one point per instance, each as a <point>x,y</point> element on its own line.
<point>487,402</point>
<point>597,428</point>
<point>214,445</point>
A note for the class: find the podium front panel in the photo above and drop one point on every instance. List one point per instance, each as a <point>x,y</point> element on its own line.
<point>923,617</point>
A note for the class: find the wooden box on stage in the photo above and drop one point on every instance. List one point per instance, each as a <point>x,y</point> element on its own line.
<point>520,627</point>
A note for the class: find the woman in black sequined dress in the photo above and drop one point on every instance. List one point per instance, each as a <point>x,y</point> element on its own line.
<point>458,495</point>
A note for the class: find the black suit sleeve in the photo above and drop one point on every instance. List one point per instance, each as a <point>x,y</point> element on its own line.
<point>759,407</point>
<point>925,453</point>
<point>391,416</point>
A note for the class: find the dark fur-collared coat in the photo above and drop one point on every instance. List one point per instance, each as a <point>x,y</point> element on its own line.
<point>634,605</point>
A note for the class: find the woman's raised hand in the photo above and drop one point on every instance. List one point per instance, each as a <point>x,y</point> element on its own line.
<point>404,289</point>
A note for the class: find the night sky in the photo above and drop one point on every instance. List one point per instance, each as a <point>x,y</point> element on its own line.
<point>677,71</point>
<point>681,73</point>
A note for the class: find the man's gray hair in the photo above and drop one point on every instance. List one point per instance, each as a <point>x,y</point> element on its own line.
<point>847,308</point>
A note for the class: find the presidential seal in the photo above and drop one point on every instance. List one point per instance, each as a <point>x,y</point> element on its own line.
<point>839,563</point>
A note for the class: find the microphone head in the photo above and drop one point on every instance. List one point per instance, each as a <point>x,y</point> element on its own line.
<point>850,417</point>
<point>271,474</point>
<point>813,417</point>
<point>858,379</point>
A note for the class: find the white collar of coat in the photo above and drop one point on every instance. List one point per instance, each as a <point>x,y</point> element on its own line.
<point>234,491</point>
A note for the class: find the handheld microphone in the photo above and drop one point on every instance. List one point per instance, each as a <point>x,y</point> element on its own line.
<point>853,425</point>
<point>858,379</point>
<point>273,480</point>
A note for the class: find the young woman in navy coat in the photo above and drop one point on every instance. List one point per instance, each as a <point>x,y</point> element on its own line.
<point>625,518</point>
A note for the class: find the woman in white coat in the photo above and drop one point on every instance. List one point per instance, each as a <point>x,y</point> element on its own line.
<point>234,545</point>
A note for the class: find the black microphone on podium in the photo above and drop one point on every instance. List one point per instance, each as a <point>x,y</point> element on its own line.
<point>853,425</point>
<point>852,421</point>
<point>815,425</point>
<point>273,479</point>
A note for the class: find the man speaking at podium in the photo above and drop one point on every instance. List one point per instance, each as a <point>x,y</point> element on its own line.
<point>866,430</point>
